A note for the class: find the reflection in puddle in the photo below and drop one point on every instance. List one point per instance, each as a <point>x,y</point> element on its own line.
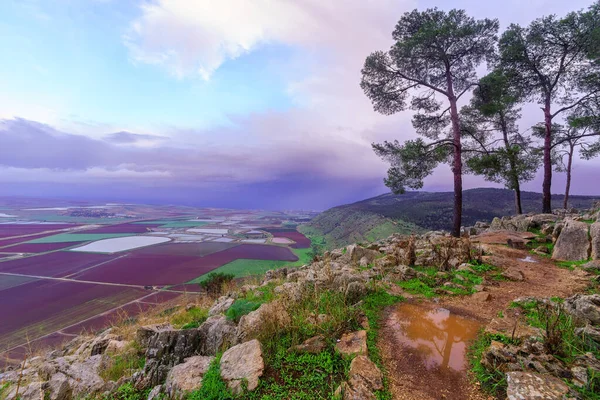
<point>440,337</point>
<point>527,259</point>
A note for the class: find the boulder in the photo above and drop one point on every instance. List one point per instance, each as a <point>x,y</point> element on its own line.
<point>84,378</point>
<point>595,239</point>
<point>187,377</point>
<point>532,386</point>
<point>271,314</point>
<point>145,333</point>
<point>354,254</point>
<point>314,345</point>
<point>584,308</point>
<point>354,343</point>
<point>242,363</point>
<point>573,243</point>
<point>33,391</point>
<point>58,388</point>
<point>115,347</point>
<point>364,372</point>
<point>513,274</point>
<point>221,305</point>
<point>155,393</point>
<point>219,333</point>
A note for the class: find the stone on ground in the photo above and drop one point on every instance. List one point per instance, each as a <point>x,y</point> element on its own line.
<point>585,308</point>
<point>363,371</point>
<point>314,345</point>
<point>354,343</point>
<point>532,386</point>
<point>595,237</point>
<point>242,363</point>
<point>513,274</point>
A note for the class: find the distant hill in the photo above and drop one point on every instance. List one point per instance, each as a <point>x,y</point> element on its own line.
<point>380,216</point>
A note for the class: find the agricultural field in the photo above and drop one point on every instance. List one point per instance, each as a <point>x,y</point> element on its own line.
<point>103,263</point>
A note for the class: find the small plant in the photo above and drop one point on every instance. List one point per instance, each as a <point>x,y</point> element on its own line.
<point>191,318</point>
<point>124,364</point>
<point>213,387</point>
<point>240,308</point>
<point>214,283</point>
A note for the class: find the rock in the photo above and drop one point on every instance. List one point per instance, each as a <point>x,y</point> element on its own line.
<point>573,243</point>
<point>595,239</point>
<point>355,291</point>
<point>364,371</point>
<point>465,267</point>
<point>219,333</point>
<point>532,386</point>
<point>498,353</point>
<point>353,343</point>
<point>543,250</point>
<point>144,333</point>
<point>115,347</point>
<point>405,272</point>
<point>592,266</point>
<point>33,391</point>
<point>516,244</point>
<point>513,274</point>
<point>187,377</point>
<point>354,254</point>
<point>58,388</point>
<point>481,297</point>
<point>585,308</point>
<point>84,378</point>
<point>221,306</point>
<point>314,345</point>
<point>242,363</point>
<point>580,376</point>
<point>155,393</point>
<point>273,315</point>
<point>167,348</point>
<point>589,332</point>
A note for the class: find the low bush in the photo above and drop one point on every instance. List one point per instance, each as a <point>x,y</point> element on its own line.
<point>214,283</point>
<point>124,364</point>
<point>240,308</point>
<point>191,318</point>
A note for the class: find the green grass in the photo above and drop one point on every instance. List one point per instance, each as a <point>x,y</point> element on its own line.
<point>243,268</point>
<point>239,308</point>
<point>571,264</point>
<point>494,381</point>
<point>124,364</point>
<point>78,237</point>
<point>127,392</point>
<point>192,318</point>
<point>213,387</point>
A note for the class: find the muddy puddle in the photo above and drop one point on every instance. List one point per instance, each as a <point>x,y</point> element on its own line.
<point>436,338</point>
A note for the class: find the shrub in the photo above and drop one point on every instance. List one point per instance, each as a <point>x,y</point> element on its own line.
<point>124,364</point>
<point>214,282</point>
<point>191,318</point>
<point>213,387</point>
<point>240,308</point>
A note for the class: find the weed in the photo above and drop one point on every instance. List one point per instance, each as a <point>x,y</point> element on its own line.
<point>124,364</point>
<point>418,286</point>
<point>213,387</point>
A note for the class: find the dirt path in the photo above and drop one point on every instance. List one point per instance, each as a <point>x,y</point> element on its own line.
<point>411,379</point>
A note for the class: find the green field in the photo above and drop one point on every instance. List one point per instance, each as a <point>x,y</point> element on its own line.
<point>174,223</point>
<point>78,237</point>
<point>242,268</point>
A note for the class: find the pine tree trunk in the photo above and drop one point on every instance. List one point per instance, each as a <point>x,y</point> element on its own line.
<point>546,187</point>
<point>569,166</point>
<point>456,169</point>
<point>518,200</point>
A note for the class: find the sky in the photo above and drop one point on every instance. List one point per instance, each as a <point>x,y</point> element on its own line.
<point>235,103</point>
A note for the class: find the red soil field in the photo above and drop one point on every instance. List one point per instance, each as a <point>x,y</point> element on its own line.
<point>42,307</point>
<point>124,228</point>
<point>187,249</point>
<point>139,268</point>
<point>59,264</point>
<point>8,230</point>
<point>302,242</point>
<point>38,247</point>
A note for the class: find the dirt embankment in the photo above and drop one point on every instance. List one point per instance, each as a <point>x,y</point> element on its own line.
<point>412,375</point>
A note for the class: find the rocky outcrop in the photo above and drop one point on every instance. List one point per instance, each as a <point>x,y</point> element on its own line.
<point>584,308</point>
<point>573,244</point>
<point>221,305</point>
<point>218,333</point>
<point>532,386</point>
<point>186,377</point>
<point>273,315</point>
<point>364,379</point>
<point>242,365</point>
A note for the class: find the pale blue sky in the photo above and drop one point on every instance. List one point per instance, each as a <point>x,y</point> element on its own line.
<point>222,97</point>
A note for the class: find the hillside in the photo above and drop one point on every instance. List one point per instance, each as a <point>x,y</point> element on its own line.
<point>378,217</point>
